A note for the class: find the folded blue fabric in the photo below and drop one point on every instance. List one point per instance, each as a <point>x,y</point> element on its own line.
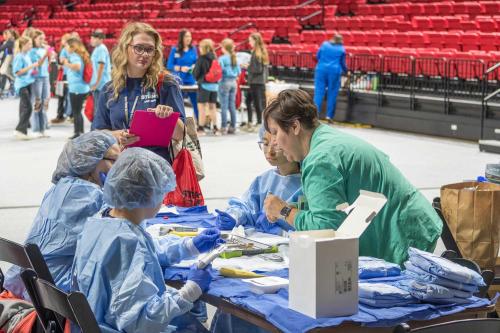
<point>422,276</point>
<point>433,293</point>
<point>382,291</point>
<point>444,268</point>
<point>385,303</point>
<point>373,268</point>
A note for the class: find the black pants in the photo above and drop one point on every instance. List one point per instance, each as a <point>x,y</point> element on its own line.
<point>257,97</point>
<point>25,109</point>
<point>76,106</point>
<point>61,103</point>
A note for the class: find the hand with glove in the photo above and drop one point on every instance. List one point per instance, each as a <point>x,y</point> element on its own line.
<point>207,240</point>
<point>201,277</point>
<point>266,226</point>
<point>224,221</point>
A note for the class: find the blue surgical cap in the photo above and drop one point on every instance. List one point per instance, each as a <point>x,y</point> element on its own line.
<point>262,130</point>
<point>138,179</point>
<point>81,155</point>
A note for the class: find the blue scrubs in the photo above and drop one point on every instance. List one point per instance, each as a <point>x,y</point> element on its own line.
<point>110,112</point>
<point>248,209</point>
<point>59,221</point>
<point>126,295</point>
<point>331,65</point>
<point>186,59</point>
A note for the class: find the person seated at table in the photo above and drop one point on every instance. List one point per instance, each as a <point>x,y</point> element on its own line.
<point>117,264</point>
<point>75,196</point>
<point>283,181</point>
<point>138,82</point>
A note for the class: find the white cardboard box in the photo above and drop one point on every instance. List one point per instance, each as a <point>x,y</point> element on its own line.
<point>324,263</point>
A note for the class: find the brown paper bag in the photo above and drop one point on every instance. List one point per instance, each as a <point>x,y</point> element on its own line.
<point>472,211</point>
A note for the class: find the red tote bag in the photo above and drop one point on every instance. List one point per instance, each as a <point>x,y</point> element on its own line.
<point>188,191</point>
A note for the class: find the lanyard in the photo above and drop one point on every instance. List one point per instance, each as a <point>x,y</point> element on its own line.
<point>126,111</point>
<point>132,111</point>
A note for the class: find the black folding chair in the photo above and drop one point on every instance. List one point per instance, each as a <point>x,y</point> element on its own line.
<point>446,235</point>
<point>51,303</point>
<point>460,326</point>
<point>25,256</point>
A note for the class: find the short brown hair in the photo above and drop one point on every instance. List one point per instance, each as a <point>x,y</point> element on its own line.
<point>291,105</point>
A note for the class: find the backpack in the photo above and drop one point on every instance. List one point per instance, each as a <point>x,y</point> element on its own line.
<point>214,74</point>
<point>87,72</point>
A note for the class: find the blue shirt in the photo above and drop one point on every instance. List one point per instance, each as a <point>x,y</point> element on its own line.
<point>22,60</point>
<point>186,59</point>
<point>110,112</point>
<point>76,85</point>
<point>36,54</point>
<point>331,57</point>
<point>100,55</point>
<point>64,54</point>
<point>228,70</point>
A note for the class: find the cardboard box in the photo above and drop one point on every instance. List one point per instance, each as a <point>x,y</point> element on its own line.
<point>324,263</point>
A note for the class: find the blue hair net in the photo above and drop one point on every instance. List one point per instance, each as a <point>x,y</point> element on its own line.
<point>262,130</point>
<point>138,179</point>
<point>81,155</point>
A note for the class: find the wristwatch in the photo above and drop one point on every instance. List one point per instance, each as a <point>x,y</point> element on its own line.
<point>285,211</point>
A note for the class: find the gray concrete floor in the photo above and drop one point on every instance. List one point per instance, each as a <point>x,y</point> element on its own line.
<point>231,162</point>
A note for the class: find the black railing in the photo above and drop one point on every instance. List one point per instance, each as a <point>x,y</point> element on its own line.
<point>490,91</point>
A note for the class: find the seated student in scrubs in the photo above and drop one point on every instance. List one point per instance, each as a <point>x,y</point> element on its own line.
<point>283,181</point>
<point>117,264</point>
<point>75,196</point>
<point>335,167</point>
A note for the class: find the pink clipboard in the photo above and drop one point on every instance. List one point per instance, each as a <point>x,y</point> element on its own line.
<point>153,131</point>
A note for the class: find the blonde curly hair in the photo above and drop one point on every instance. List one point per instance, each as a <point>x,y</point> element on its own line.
<point>119,57</point>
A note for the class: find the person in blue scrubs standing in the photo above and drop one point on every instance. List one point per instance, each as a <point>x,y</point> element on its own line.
<point>101,64</point>
<point>137,67</point>
<point>181,62</point>
<point>331,65</point>
<point>78,58</point>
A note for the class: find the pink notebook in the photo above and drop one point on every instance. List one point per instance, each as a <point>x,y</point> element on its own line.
<point>153,131</point>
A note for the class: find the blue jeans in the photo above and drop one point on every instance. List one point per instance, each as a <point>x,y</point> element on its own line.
<point>323,79</point>
<point>227,98</point>
<point>68,112</point>
<point>40,99</point>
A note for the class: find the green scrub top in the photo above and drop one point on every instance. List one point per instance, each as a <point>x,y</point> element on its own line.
<point>337,167</point>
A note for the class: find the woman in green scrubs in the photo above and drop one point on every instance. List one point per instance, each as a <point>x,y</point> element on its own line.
<point>335,167</point>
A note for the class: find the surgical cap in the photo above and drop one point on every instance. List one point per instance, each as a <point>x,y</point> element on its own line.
<point>81,155</point>
<point>262,131</point>
<point>138,179</point>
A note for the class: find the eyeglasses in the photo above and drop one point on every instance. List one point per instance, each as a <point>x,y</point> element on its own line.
<point>141,50</point>
<point>112,160</point>
<point>264,146</point>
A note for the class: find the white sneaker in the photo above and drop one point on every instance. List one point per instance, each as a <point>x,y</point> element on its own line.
<point>46,134</point>
<point>37,135</point>
<point>21,136</point>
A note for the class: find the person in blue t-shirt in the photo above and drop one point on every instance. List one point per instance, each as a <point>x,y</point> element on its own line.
<point>63,104</point>
<point>331,65</point>
<point>22,67</point>
<point>77,87</point>
<point>41,87</point>
<point>207,91</point>
<point>101,65</point>
<point>227,87</point>
<point>181,62</point>
<point>137,68</point>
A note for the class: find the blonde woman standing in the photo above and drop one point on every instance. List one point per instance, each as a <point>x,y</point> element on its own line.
<point>137,65</point>
<point>227,87</point>
<point>257,77</point>
<point>207,92</point>
<point>78,58</point>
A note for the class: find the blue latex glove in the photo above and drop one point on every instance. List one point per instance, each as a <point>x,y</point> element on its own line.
<point>224,221</point>
<point>207,239</point>
<point>268,227</point>
<point>201,277</point>
<point>102,177</point>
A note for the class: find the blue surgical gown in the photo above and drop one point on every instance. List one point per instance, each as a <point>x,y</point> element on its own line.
<point>247,209</point>
<point>118,268</point>
<point>59,221</point>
